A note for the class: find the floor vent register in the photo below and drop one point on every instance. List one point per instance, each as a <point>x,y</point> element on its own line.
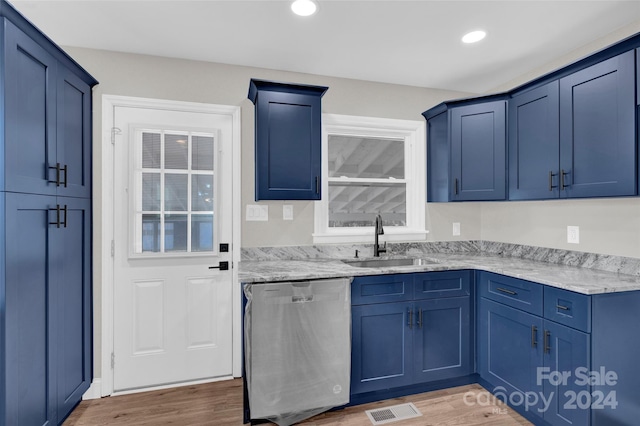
<point>395,413</point>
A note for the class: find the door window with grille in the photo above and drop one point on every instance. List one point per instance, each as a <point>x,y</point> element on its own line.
<point>174,192</point>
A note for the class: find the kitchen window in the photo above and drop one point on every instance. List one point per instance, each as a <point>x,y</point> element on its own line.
<point>371,166</point>
<point>174,197</point>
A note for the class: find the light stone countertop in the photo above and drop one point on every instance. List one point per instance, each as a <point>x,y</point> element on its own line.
<point>579,279</point>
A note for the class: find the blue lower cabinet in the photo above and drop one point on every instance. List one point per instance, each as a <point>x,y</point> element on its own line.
<point>397,344</point>
<point>564,375</point>
<point>442,337</point>
<point>510,349</point>
<point>45,294</point>
<point>381,349</point>
<point>538,366</point>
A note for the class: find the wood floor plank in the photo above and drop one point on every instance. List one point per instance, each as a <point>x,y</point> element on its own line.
<point>220,404</point>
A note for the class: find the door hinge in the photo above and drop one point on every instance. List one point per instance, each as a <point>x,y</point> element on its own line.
<point>115,131</point>
<point>113,360</point>
<point>113,248</point>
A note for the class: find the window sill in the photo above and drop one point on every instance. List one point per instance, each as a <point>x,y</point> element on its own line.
<point>365,235</point>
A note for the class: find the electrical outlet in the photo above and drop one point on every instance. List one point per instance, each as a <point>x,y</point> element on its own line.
<point>287,212</point>
<point>573,234</point>
<point>456,228</point>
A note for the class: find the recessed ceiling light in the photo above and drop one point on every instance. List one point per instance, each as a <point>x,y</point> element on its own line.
<point>473,36</point>
<point>304,7</point>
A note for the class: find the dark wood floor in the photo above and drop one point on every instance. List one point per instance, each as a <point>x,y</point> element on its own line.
<point>220,404</point>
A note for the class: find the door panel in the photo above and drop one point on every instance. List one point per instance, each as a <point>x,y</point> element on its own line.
<point>569,349</point>
<point>32,356</point>
<point>442,341</point>
<point>381,342</point>
<point>172,313</point>
<point>597,129</point>
<point>30,104</point>
<point>510,349</point>
<point>534,144</point>
<point>74,366</point>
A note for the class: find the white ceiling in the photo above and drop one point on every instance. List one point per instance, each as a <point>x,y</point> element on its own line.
<point>404,42</point>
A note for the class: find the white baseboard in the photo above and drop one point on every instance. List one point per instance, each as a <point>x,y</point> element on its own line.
<point>94,391</point>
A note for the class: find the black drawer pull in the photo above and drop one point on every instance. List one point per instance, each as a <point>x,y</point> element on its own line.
<point>57,167</point>
<point>551,186</point>
<point>534,336</point>
<point>504,290</point>
<point>564,308</point>
<point>420,318</point>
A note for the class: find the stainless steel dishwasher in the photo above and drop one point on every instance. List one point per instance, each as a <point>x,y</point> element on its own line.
<point>297,348</point>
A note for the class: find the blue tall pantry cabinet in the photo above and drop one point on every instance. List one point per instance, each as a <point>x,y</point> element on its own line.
<point>45,227</point>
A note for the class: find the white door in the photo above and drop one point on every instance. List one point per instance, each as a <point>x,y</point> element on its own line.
<point>172,211</point>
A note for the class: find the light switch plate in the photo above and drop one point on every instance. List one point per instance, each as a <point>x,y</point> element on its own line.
<point>573,234</point>
<point>257,212</point>
<point>456,228</point>
<point>287,212</point>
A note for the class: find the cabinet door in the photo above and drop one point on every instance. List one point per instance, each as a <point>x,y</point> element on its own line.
<point>566,350</point>
<point>30,115</point>
<point>30,352</point>
<point>381,346</point>
<point>509,348</point>
<point>438,154</point>
<point>597,130</point>
<point>443,346</point>
<point>534,143</point>
<point>71,256</point>
<point>478,146</point>
<point>288,146</point>
<point>74,135</point>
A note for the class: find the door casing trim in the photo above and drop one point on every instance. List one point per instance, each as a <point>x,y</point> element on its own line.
<point>109,102</point>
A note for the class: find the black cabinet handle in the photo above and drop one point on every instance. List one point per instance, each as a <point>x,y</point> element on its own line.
<point>562,175</point>
<point>551,186</point>
<point>64,169</point>
<point>534,336</point>
<point>504,290</point>
<point>57,167</point>
<point>317,185</point>
<point>547,342</point>
<point>420,318</point>
<point>59,222</point>
<point>455,186</point>
<point>562,307</point>
<point>410,318</point>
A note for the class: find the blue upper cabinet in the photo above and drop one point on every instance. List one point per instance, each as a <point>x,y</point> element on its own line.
<point>478,149</point>
<point>466,151</point>
<point>287,140</point>
<point>534,143</point>
<point>597,129</point>
<point>47,120</point>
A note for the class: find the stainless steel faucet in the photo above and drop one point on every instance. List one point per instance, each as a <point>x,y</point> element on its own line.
<point>378,231</point>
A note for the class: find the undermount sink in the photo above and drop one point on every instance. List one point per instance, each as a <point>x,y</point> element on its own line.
<point>382,263</point>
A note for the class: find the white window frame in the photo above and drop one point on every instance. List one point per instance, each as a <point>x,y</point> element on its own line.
<point>414,135</point>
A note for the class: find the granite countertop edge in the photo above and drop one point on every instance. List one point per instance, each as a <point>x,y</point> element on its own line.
<point>577,279</point>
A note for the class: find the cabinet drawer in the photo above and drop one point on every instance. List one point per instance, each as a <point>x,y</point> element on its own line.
<point>520,294</point>
<point>432,285</point>
<point>381,289</point>
<point>568,308</point>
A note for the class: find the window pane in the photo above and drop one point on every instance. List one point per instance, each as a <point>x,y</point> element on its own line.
<point>202,232</point>
<point>175,151</point>
<point>202,193</point>
<point>175,192</point>
<point>151,150</point>
<point>357,205</point>
<point>151,191</point>
<point>151,233</point>
<point>202,153</point>
<point>365,157</point>
<point>175,232</point>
